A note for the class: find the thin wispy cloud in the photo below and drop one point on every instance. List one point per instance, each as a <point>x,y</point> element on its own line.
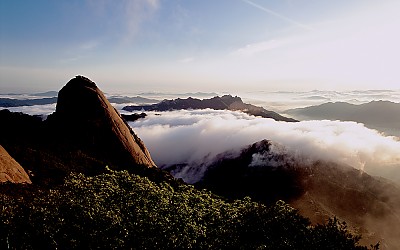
<point>79,51</point>
<point>138,11</point>
<point>131,13</point>
<point>255,48</point>
<point>89,45</point>
<point>280,16</point>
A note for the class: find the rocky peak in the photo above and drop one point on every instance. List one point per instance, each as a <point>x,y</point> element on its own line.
<point>81,97</point>
<point>229,99</point>
<point>85,119</point>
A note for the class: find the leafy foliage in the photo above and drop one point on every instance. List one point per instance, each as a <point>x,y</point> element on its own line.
<point>122,210</point>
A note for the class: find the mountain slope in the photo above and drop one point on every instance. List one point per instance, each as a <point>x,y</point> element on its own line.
<point>10,170</point>
<point>226,102</point>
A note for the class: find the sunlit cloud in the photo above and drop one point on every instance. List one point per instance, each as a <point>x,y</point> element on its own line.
<point>41,110</point>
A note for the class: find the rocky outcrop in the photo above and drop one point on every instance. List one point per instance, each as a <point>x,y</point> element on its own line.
<point>10,170</point>
<point>85,119</point>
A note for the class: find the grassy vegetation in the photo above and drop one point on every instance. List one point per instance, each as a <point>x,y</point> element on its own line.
<point>122,210</point>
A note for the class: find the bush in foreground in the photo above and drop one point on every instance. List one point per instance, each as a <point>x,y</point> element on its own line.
<point>122,210</point>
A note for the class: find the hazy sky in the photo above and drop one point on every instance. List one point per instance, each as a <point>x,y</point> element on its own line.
<point>193,45</point>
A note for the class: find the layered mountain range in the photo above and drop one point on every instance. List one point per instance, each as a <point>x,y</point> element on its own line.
<point>226,102</point>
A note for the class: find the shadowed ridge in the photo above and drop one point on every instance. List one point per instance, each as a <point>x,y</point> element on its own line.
<point>85,119</point>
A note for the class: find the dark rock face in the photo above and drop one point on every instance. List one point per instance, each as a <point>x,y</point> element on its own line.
<point>10,170</point>
<point>257,172</point>
<point>226,102</point>
<point>85,119</point>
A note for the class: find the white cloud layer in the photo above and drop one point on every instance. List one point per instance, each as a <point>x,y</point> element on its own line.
<point>197,136</point>
<point>43,110</point>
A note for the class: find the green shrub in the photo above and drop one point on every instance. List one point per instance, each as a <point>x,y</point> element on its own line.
<point>122,210</point>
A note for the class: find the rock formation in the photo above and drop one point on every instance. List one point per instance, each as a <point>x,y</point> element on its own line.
<point>10,170</point>
<point>85,119</point>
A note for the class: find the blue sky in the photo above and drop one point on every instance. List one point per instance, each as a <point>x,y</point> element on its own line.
<point>210,45</point>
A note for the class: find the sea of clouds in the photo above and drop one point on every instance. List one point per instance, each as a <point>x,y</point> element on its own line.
<point>197,136</point>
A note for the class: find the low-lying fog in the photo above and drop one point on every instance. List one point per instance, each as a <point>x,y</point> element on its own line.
<point>198,135</point>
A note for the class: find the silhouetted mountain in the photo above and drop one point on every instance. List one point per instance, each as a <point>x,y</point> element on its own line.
<point>226,102</point>
<point>86,119</point>
<point>267,172</point>
<point>8,102</point>
<point>10,170</point>
<point>381,115</point>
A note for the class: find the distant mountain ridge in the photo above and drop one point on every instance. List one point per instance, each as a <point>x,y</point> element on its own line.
<point>225,102</point>
<point>9,102</point>
<point>381,115</point>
